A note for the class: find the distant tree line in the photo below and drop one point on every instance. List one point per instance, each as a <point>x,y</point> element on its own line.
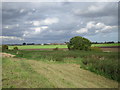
<point>65,43</point>
<point>105,42</point>
<point>28,44</point>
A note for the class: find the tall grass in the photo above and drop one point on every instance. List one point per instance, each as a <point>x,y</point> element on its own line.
<point>19,74</point>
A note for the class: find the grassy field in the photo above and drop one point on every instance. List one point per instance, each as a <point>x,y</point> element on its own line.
<point>102,63</point>
<point>106,45</point>
<point>16,73</point>
<point>29,73</point>
<point>60,69</point>
<point>59,46</point>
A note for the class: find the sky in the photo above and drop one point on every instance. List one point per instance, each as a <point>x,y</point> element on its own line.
<point>57,22</point>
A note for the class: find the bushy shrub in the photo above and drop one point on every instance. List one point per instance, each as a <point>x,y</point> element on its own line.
<point>79,43</point>
<point>15,48</point>
<point>4,47</point>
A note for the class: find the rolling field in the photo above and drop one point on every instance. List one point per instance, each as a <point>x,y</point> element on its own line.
<point>59,46</point>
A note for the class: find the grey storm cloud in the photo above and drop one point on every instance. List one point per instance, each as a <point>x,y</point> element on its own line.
<point>45,22</point>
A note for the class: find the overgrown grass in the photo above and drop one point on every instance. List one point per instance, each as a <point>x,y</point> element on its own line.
<point>19,74</point>
<point>102,63</point>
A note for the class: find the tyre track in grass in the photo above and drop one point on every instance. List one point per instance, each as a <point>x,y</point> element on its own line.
<point>71,76</point>
<point>52,75</point>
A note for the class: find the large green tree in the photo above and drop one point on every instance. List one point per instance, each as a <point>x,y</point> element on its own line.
<point>79,43</point>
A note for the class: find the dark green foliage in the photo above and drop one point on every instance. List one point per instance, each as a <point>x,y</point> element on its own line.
<point>79,43</point>
<point>15,48</point>
<point>24,43</point>
<point>103,64</point>
<point>4,47</point>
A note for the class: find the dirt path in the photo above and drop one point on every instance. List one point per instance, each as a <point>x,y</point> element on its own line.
<point>71,76</point>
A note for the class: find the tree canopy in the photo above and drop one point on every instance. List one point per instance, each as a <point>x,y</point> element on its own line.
<point>79,43</point>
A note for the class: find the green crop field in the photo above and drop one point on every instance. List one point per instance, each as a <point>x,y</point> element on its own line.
<point>59,46</point>
<point>38,46</point>
<point>105,45</point>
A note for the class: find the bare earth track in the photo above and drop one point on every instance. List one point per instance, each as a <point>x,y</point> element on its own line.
<point>6,55</point>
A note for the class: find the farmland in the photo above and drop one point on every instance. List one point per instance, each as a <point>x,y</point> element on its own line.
<point>59,46</point>
<point>59,68</point>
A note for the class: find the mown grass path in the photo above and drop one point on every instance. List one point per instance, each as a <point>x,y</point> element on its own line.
<point>71,76</point>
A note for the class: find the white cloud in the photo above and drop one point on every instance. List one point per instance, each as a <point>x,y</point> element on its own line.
<point>82,31</point>
<point>36,23</point>
<point>100,25</point>
<point>17,25</point>
<point>97,10</point>
<point>108,29</point>
<point>6,27</point>
<point>44,27</point>
<point>90,24</point>
<point>22,10</point>
<point>49,21</point>
<point>28,22</point>
<point>34,31</point>
<point>10,26</point>
<point>97,31</point>
<point>10,38</point>
<point>38,30</point>
<point>95,27</point>
<point>94,8</point>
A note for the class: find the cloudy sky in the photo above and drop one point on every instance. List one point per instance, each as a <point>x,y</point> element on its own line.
<point>50,22</point>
